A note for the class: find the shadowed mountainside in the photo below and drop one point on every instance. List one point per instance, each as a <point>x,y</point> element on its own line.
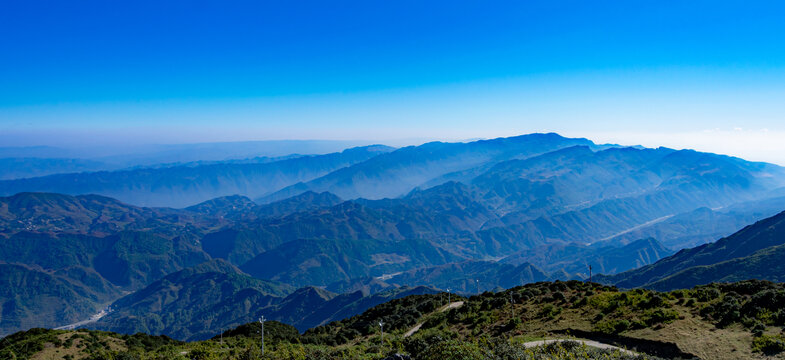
<point>195,303</point>
<point>751,253</point>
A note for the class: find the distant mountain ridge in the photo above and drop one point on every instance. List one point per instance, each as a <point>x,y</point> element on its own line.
<point>398,172</point>
<point>182,186</point>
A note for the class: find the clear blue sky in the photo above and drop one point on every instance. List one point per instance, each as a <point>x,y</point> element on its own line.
<point>700,74</point>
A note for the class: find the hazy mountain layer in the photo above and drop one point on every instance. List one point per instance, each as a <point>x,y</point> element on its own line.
<point>398,172</point>
<point>181,186</point>
<point>18,168</point>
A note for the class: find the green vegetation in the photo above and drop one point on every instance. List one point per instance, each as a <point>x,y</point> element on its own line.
<point>724,321</point>
<point>769,344</point>
<point>82,344</point>
<point>757,305</point>
<point>23,345</point>
<point>96,345</point>
<point>399,314</point>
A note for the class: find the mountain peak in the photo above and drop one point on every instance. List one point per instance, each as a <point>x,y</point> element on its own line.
<point>311,292</point>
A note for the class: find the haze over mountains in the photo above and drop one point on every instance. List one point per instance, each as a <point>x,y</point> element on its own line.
<point>32,161</point>
<point>343,231</point>
<point>184,185</point>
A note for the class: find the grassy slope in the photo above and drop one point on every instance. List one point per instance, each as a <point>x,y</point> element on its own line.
<point>722,321</point>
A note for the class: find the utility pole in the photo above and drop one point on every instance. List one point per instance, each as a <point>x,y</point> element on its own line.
<point>261,321</point>
<point>478,286</point>
<point>381,327</point>
<point>448,297</point>
<point>512,309</point>
<point>589,273</point>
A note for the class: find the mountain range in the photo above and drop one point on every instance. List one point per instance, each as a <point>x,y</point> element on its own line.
<point>343,231</point>
<point>183,185</point>
<point>34,161</point>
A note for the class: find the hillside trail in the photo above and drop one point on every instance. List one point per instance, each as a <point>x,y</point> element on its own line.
<point>417,327</point>
<point>591,343</point>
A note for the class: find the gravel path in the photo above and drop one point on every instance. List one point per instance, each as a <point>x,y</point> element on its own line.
<point>414,329</point>
<point>591,343</point>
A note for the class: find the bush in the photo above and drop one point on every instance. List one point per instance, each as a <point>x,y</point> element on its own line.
<point>768,344</point>
<point>453,350</point>
<point>659,316</point>
<point>653,302</point>
<point>704,295</point>
<point>549,311</point>
<point>758,328</point>
<point>612,326</point>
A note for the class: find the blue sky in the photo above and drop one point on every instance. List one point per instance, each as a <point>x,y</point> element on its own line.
<point>689,74</point>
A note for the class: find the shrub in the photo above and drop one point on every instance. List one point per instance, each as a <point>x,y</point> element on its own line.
<point>653,302</point>
<point>758,328</point>
<point>704,295</point>
<point>768,344</point>
<point>612,326</point>
<point>453,350</point>
<point>549,311</point>
<point>659,316</point>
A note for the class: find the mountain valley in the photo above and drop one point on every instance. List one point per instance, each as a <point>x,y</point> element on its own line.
<point>329,241</point>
